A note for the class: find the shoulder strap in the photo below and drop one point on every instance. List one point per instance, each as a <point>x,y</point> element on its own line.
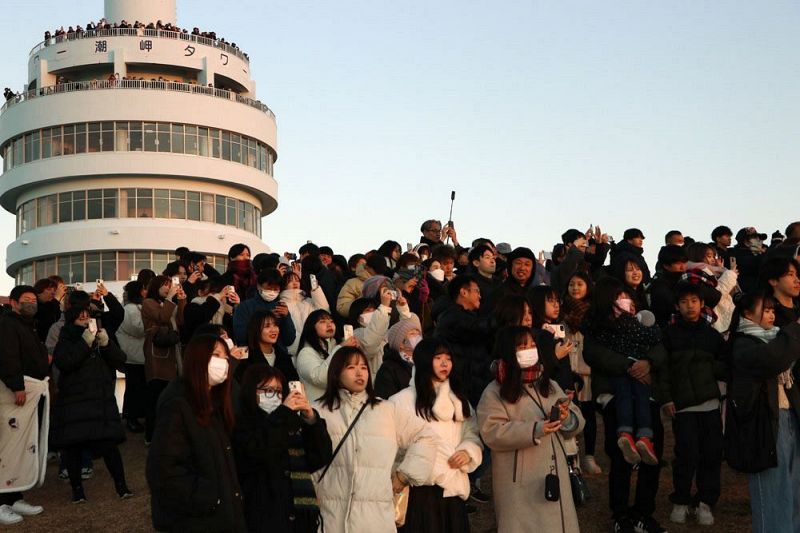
<point>546,415</point>
<point>341,442</point>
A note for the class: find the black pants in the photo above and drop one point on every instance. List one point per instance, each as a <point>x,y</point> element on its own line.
<point>589,412</point>
<point>698,453</point>
<point>619,477</point>
<point>108,450</point>
<point>154,389</point>
<point>10,498</point>
<point>430,512</point>
<point>134,404</point>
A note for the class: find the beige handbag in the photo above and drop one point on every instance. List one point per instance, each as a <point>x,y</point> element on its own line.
<point>401,506</point>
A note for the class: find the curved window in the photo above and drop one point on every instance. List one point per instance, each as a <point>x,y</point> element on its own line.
<point>87,267</point>
<point>136,136</point>
<point>138,203</point>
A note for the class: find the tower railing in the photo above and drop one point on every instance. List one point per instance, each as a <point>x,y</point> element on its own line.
<point>142,32</point>
<point>152,85</point>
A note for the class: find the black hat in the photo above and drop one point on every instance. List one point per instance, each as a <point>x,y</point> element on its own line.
<point>719,231</point>
<point>520,253</point>
<point>632,233</point>
<point>745,234</point>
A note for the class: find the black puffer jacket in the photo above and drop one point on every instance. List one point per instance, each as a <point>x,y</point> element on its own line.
<point>468,335</point>
<point>688,363</point>
<point>757,364</point>
<point>394,374</point>
<point>22,354</point>
<point>266,469</point>
<point>191,470</point>
<point>85,409</point>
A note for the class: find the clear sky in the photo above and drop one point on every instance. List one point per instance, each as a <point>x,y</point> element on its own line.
<point>541,115</point>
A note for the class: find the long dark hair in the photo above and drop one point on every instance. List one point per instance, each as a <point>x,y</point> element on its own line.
<point>510,310</point>
<point>505,349</point>
<point>309,336</point>
<point>538,297</point>
<point>423,378</point>
<point>601,312</point>
<point>258,321</point>
<point>338,363</point>
<point>254,376</point>
<point>154,285</point>
<point>195,377</point>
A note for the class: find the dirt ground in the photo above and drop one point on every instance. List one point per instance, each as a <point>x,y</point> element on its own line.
<point>105,512</point>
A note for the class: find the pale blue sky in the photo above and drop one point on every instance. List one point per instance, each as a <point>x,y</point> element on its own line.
<point>542,115</point>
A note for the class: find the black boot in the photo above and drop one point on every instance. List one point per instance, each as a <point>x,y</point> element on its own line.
<point>122,490</point>
<point>78,495</point>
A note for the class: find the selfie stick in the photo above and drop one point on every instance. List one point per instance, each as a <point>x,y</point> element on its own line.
<point>450,218</point>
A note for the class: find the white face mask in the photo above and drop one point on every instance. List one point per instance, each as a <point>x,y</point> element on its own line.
<point>269,296</point>
<point>365,318</point>
<point>217,370</point>
<point>229,343</point>
<point>437,274</point>
<point>268,404</point>
<point>413,341</point>
<point>527,358</point>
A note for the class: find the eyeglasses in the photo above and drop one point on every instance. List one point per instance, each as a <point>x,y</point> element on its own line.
<point>271,392</point>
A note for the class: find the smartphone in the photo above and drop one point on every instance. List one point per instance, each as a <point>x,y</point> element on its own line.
<point>733,263</point>
<point>100,282</point>
<point>93,325</point>
<point>348,331</point>
<point>409,247</point>
<point>245,352</point>
<point>176,281</point>
<point>79,286</point>
<point>312,279</point>
<point>231,288</point>
<point>295,386</point>
<point>134,278</point>
<point>555,413</point>
<point>557,330</point>
<point>393,294</point>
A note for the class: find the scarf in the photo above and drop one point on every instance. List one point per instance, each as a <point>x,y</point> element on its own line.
<point>244,276</point>
<point>447,406</point>
<point>748,327</point>
<point>529,375</point>
<point>574,311</point>
<point>714,270</point>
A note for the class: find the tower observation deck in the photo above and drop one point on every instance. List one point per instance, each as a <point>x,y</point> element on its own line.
<point>130,141</point>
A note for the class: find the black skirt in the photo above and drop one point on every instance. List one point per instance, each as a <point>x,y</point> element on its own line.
<point>430,512</point>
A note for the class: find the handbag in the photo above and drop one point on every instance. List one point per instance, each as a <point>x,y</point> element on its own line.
<point>401,506</point>
<point>165,337</point>
<point>341,442</point>
<point>580,489</point>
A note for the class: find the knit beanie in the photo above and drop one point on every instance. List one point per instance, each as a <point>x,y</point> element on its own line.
<point>372,285</point>
<point>397,333</point>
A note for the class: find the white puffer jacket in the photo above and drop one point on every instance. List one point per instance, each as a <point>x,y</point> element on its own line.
<point>130,334</point>
<point>454,435</point>
<point>313,369</point>
<point>300,307</point>
<point>356,493</point>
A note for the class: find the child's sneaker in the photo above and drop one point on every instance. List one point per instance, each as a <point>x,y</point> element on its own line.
<point>704,516</point>
<point>628,447</point>
<point>679,514</point>
<point>646,451</point>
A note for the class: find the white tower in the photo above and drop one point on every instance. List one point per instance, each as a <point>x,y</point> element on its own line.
<point>128,143</point>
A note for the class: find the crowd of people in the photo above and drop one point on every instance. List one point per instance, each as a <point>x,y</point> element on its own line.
<point>78,32</point>
<point>310,392</point>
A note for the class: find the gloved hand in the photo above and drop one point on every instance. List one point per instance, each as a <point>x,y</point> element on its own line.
<point>88,337</point>
<point>102,338</point>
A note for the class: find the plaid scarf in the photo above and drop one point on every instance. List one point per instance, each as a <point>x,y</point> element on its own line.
<point>529,375</point>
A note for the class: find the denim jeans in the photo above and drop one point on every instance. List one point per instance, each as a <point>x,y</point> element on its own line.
<point>633,406</point>
<point>775,492</point>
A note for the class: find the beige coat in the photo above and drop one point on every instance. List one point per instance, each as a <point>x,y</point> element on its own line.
<point>351,291</point>
<point>520,462</point>
<point>160,363</point>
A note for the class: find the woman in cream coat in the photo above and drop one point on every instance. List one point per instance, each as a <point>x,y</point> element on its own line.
<point>513,416</point>
<point>355,491</point>
<point>438,401</point>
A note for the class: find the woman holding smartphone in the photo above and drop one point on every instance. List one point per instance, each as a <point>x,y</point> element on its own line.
<point>524,418</point>
<point>277,433</point>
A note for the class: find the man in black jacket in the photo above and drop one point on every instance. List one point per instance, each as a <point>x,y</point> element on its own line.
<point>673,262</point>
<point>23,355</point>
<point>483,264</point>
<point>631,248</point>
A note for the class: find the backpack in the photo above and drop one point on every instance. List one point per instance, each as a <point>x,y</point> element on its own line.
<point>749,440</point>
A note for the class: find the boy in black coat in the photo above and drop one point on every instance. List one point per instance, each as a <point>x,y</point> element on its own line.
<point>689,363</point>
